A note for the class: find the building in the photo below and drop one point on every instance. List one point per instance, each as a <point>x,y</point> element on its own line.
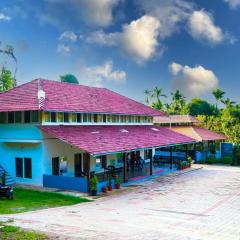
<point>55,134</point>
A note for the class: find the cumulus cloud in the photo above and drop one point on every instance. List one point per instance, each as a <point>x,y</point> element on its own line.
<point>233,3</point>
<point>4,17</point>
<point>139,39</point>
<point>201,27</point>
<point>193,81</point>
<point>63,49</point>
<point>97,75</point>
<point>68,36</point>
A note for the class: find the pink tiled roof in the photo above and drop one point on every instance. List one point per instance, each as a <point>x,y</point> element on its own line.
<point>175,119</point>
<point>109,139</point>
<point>198,133</point>
<point>72,98</point>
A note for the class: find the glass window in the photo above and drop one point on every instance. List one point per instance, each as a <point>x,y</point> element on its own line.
<point>85,117</point>
<point>66,117</point>
<point>27,116</point>
<point>99,118</point>
<point>19,167</point>
<point>18,117</point>
<point>138,119</point>
<point>74,117</point>
<point>79,117</point>
<point>35,116</point>
<point>89,117</point>
<point>114,118</point>
<point>3,117</point>
<point>109,118</point>
<point>11,117</point>
<point>60,117</point>
<point>47,117</point>
<point>104,118</point>
<point>53,116</point>
<point>95,117</point>
<point>117,118</point>
<point>27,167</point>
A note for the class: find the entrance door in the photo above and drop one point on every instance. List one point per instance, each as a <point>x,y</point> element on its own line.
<point>55,166</point>
<point>78,165</point>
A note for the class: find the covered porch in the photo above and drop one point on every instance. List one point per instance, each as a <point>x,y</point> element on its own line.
<point>128,151</point>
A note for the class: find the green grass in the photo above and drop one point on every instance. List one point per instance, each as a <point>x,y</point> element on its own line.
<point>29,200</point>
<point>11,232</point>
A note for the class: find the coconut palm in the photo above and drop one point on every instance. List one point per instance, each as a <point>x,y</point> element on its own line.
<point>156,96</point>
<point>218,94</point>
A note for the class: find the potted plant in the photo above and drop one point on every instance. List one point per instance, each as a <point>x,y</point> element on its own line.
<point>109,183</point>
<point>117,182</point>
<point>104,189</point>
<point>93,185</point>
<point>189,159</point>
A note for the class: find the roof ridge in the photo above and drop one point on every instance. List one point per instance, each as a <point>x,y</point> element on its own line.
<point>193,127</point>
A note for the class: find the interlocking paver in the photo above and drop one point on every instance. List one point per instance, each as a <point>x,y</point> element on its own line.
<point>199,205</point>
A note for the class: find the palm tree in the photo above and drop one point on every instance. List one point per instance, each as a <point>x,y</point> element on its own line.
<point>147,94</point>
<point>228,103</point>
<point>218,94</point>
<point>156,95</point>
<point>178,102</point>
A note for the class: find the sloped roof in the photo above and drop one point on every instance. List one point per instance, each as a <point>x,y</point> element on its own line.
<point>198,133</point>
<point>72,98</point>
<point>175,119</point>
<point>109,139</point>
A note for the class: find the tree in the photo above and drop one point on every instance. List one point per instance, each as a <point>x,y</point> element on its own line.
<point>218,94</point>
<point>156,95</point>
<point>199,106</point>
<point>178,104</point>
<point>69,78</point>
<point>6,79</point>
<point>147,94</point>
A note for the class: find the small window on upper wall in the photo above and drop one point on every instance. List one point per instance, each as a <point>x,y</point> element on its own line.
<point>66,117</point>
<point>18,117</point>
<point>35,116</point>
<point>60,117</point>
<point>104,118</point>
<point>109,118</point>
<point>74,117</point>
<point>3,117</point>
<point>27,117</point>
<point>11,117</point>
<point>114,118</point>
<point>138,119</point>
<point>89,117</point>
<point>47,117</point>
<point>117,118</point>
<point>53,116</point>
<point>95,118</point>
<point>85,117</point>
<point>79,117</point>
<point>99,118</point>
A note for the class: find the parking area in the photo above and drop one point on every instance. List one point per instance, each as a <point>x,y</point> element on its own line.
<point>202,204</point>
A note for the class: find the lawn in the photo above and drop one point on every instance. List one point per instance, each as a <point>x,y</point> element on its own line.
<point>12,232</point>
<point>29,200</point>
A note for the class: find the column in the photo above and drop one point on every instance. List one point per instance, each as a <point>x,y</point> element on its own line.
<point>171,157</point>
<point>151,161</point>
<point>86,158</point>
<point>125,177</point>
<point>186,151</point>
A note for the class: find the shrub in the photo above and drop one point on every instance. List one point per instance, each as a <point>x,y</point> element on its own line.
<point>226,160</point>
<point>93,183</point>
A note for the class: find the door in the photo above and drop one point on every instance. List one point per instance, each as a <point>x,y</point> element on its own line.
<point>55,166</point>
<point>78,165</point>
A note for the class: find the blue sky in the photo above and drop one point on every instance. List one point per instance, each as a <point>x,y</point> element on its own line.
<point>127,45</point>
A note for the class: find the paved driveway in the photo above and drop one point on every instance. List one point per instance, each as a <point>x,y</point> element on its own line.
<point>203,204</point>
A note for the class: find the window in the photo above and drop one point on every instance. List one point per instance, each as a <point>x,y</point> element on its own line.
<point>109,118</point>
<point>23,167</point>
<point>79,117</point>
<point>66,117</point>
<point>11,117</point>
<point>27,167</point>
<point>53,117</point>
<point>104,118</point>
<point>95,118</point>
<point>117,118</point>
<point>60,117</point>
<point>55,166</point>
<point>35,116</point>
<point>3,117</point>
<point>47,117</point>
<point>78,165</point>
<point>18,117</point>
<point>101,162</point>
<point>114,118</point>
<point>27,117</point>
<point>85,117</point>
<point>74,117</point>
<point>19,167</point>
<point>89,117</point>
<point>99,118</point>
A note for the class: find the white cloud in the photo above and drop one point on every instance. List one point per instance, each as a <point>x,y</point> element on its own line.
<point>175,68</point>
<point>69,36</point>
<point>97,75</point>
<point>63,49</point>
<point>139,39</point>
<point>233,3</point>
<point>4,17</point>
<point>201,27</point>
<point>194,81</point>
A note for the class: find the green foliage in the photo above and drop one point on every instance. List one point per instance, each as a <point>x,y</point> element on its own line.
<point>201,107</point>
<point>93,183</point>
<point>189,159</point>
<point>69,78</point>
<point>117,180</point>
<point>153,98</point>
<point>236,155</point>
<point>29,200</point>
<point>212,160</point>
<point>178,104</point>
<point>6,79</point>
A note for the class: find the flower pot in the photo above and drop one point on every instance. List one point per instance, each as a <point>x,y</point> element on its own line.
<point>110,188</point>
<point>104,189</point>
<point>94,192</point>
<point>118,186</point>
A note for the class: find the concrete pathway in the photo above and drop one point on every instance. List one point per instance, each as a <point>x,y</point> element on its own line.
<point>199,205</point>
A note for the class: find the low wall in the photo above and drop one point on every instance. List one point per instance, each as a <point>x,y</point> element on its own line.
<point>65,183</point>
